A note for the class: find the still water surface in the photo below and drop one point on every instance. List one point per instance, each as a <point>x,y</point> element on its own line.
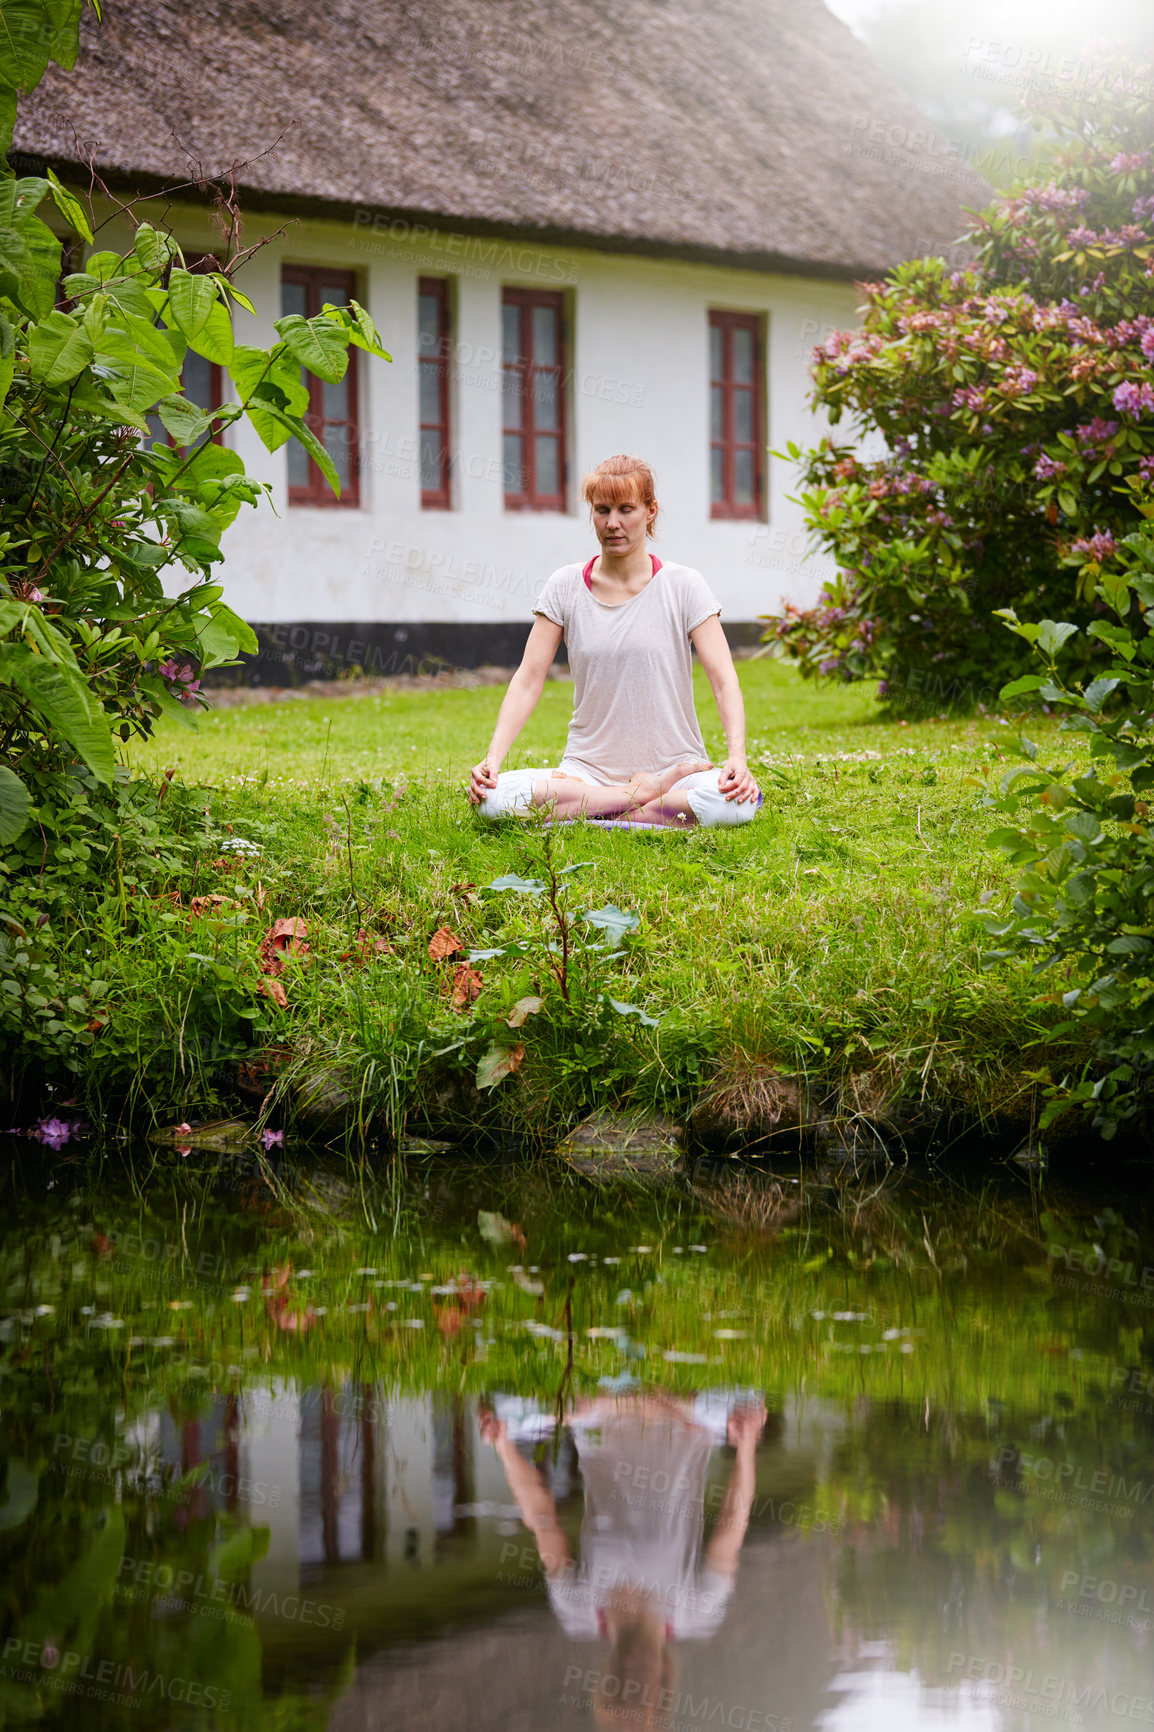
<point>489,1450</point>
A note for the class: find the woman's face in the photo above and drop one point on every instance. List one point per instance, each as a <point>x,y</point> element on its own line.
<point>621,528</point>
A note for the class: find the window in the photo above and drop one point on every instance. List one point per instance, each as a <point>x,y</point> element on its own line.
<point>332,411</point>
<point>433,379</point>
<point>533,447</point>
<point>736,415</point>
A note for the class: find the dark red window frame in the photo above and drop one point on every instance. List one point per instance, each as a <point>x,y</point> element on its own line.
<point>316,280</point>
<point>437,361</point>
<point>526,369</point>
<point>728,444</point>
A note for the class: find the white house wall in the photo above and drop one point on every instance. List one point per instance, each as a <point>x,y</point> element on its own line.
<point>639,383</point>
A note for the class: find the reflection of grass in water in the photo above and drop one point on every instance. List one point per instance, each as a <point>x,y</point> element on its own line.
<point>974,1279</point>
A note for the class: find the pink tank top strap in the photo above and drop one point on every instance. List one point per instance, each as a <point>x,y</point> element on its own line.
<point>587,574</point>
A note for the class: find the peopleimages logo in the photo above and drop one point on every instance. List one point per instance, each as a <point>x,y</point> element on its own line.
<point>85,1675</point>
<point>185,1586</point>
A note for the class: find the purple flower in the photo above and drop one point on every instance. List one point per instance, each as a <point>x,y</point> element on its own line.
<point>1146,468</point>
<point>1099,546</point>
<point>1048,468</point>
<point>1095,432</point>
<point>272,1139</point>
<point>54,1132</point>
<point>1148,344</point>
<point>1133,398</point>
<point>1123,164</point>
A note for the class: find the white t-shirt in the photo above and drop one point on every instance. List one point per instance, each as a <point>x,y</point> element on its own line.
<point>632,671</point>
<point>643,1528</point>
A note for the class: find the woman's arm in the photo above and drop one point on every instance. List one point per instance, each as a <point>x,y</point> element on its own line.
<point>735,780</point>
<point>518,704</point>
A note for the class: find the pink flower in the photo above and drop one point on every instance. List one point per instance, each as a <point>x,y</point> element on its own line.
<point>1123,164</point>
<point>54,1132</point>
<point>272,1139</point>
<point>1048,468</point>
<point>1099,546</point>
<point>1133,398</point>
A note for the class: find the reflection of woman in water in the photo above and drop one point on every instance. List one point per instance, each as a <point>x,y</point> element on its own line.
<point>646,1576</point>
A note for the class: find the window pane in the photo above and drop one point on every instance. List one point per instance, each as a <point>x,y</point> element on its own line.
<point>336,297</point>
<point>743,477</point>
<point>545,336</point>
<point>335,398</point>
<point>298,464</point>
<point>548,471</point>
<point>716,353</point>
<point>743,417</point>
<point>431,478</point>
<point>338,442</point>
<point>514,480</point>
<point>196,380</point>
<point>294,298</point>
<point>716,481</point>
<point>156,434</point>
<point>716,412</point>
<point>511,332</point>
<point>742,356</point>
<point>545,399</point>
<point>512,389</point>
<point>430,393</point>
<point>428,323</point>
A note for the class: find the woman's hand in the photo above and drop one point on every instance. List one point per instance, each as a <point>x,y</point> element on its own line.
<point>736,780</point>
<point>482,781</point>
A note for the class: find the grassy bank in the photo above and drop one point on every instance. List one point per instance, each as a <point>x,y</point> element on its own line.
<point>822,961</point>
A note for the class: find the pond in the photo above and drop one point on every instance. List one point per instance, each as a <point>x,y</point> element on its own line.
<point>485,1446</point>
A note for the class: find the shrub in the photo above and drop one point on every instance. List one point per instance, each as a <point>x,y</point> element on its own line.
<point>1015,399</point>
<point>1085,896</point>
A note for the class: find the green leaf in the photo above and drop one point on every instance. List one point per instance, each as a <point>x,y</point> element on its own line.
<point>21,1486</point>
<point>7,374</point>
<point>300,430</point>
<point>154,248</point>
<point>526,886</point>
<point>191,299</point>
<point>614,922</point>
<point>15,805</point>
<point>1097,692</point>
<point>58,349</point>
<point>69,207</point>
<point>60,694</point>
<point>498,1063</point>
<point>1017,688</point>
<point>316,344</point>
<point>230,288</point>
<point>1051,636</point>
<point>214,339</point>
<point>137,381</point>
<point>182,419</point>
<point>642,1016</point>
<point>234,1556</point>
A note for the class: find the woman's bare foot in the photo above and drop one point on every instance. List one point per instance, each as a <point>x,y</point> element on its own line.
<point>648,786</point>
<point>669,778</point>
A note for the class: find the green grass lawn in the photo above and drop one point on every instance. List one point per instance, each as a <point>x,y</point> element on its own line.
<point>834,938</point>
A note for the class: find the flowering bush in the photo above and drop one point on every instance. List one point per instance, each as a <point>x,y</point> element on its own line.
<point>1016,402</point>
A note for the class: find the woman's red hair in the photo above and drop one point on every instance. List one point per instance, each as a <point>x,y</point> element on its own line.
<point>619,479</point>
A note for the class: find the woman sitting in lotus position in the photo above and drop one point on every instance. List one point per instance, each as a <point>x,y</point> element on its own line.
<point>635,749</point>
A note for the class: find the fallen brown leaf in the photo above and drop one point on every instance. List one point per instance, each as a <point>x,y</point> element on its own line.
<point>199,905</point>
<point>466,986</point>
<point>444,942</point>
<point>274,990</point>
<point>524,1007</point>
<point>284,938</point>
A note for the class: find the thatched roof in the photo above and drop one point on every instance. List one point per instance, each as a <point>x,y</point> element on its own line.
<point>758,132</point>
